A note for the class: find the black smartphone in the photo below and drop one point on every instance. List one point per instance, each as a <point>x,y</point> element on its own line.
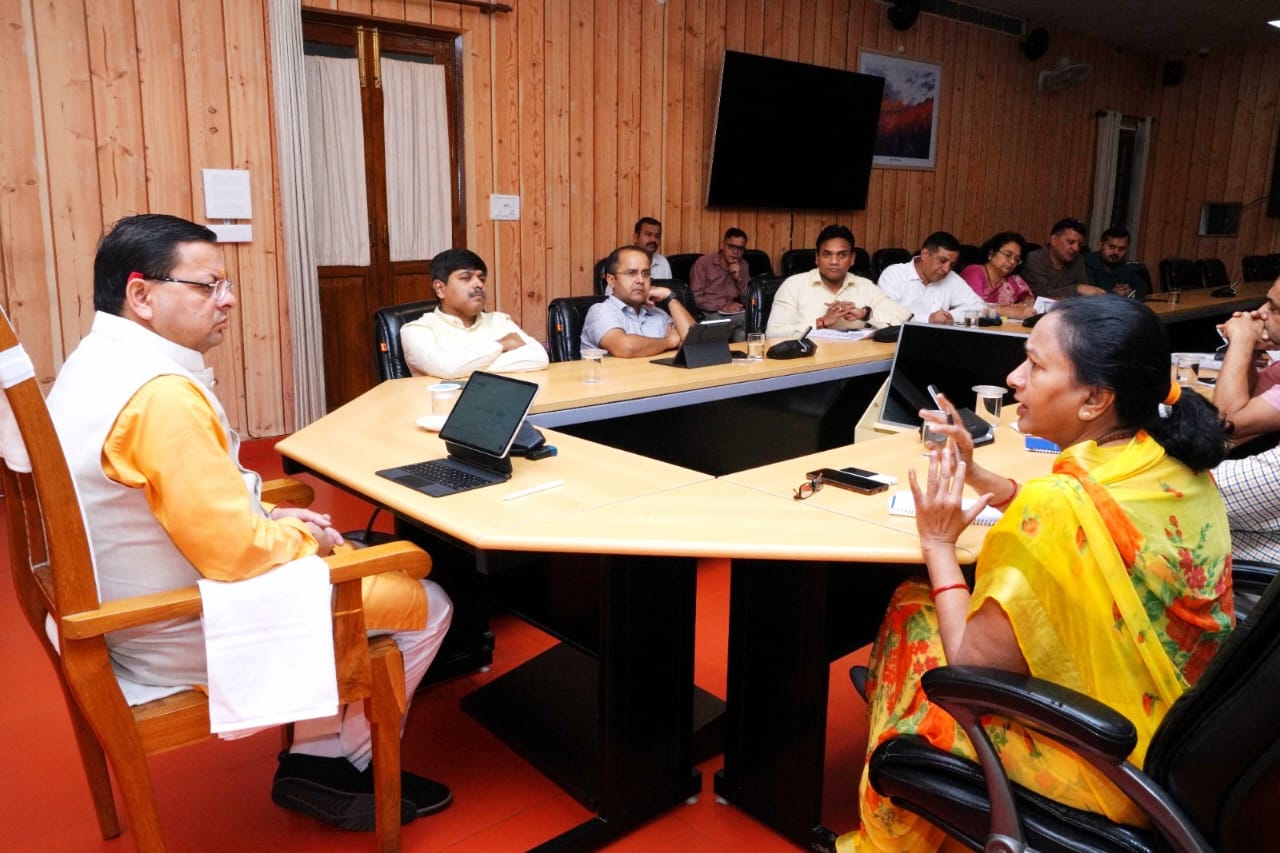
<point>845,480</point>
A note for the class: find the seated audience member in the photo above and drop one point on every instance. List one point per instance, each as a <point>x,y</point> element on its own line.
<point>996,282</point>
<point>460,337</point>
<point>1249,489</point>
<point>1107,269</point>
<point>926,286</point>
<point>1057,271</point>
<point>628,322</point>
<point>719,281</point>
<point>648,236</point>
<point>1248,397</point>
<point>167,502</point>
<point>829,296</point>
<point>1110,576</point>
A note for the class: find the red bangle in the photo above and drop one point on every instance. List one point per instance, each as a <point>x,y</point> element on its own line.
<point>1004,503</point>
<point>934,593</point>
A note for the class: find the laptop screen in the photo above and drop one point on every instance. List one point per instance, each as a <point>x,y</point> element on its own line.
<point>488,413</point>
<point>953,358</point>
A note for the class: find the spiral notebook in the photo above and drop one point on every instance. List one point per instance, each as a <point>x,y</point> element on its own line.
<point>902,503</point>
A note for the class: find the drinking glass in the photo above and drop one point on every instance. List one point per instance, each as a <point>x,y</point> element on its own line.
<point>755,346</point>
<point>988,402</point>
<point>592,364</point>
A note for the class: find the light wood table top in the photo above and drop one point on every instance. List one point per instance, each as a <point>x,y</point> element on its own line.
<point>893,454</point>
<point>378,430</point>
<point>1198,303</point>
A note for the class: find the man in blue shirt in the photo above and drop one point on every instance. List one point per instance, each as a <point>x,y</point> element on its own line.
<point>628,324</point>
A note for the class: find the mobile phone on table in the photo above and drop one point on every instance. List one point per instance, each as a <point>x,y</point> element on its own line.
<point>887,479</point>
<point>853,482</point>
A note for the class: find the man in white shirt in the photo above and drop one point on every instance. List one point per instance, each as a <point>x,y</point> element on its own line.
<point>648,236</point>
<point>926,285</point>
<point>460,337</point>
<point>829,296</point>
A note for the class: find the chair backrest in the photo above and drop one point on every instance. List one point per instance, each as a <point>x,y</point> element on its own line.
<point>681,290</point>
<point>760,293</point>
<point>1260,267</point>
<point>758,262</point>
<point>969,254</point>
<point>1178,274</point>
<point>565,316</point>
<point>387,351</point>
<point>797,260</point>
<point>682,264</point>
<point>1143,273</point>
<point>1217,751</point>
<point>884,258</point>
<point>862,263</point>
<point>1213,272</point>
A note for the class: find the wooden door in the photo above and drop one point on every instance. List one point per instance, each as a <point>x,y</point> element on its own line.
<point>350,294</point>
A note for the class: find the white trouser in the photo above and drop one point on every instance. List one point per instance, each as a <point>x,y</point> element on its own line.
<point>347,734</point>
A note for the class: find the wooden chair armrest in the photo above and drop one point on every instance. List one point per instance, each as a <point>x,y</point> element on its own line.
<point>286,490</point>
<point>184,603</point>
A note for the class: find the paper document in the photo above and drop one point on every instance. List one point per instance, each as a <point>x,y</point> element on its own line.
<point>902,503</point>
<point>838,335</point>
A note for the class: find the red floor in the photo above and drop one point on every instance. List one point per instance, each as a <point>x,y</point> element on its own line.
<point>215,796</point>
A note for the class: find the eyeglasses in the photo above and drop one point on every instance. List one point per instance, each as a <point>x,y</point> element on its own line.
<point>217,289</point>
<point>635,273</point>
<point>1013,256</point>
<point>808,487</point>
<point>734,247</point>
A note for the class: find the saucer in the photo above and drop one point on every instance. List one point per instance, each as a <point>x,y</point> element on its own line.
<point>432,422</point>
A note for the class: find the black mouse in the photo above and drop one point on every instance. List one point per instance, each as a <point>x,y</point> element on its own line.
<point>1032,320</point>
<point>887,335</point>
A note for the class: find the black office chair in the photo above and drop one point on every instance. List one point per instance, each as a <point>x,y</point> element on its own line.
<point>1178,274</point>
<point>884,258</point>
<point>1142,272</point>
<point>1213,272</point>
<point>862,263</point>
<point>969,254</point>
<point>1211,779</point>
<point>797,260</point>
<point>680,290</point>
<point>758,262</point>
<point>597,272</point>
<point>1260,267</point>
<point>760,293</point>
<point>386,336</point>
<point>565,316</point>
<point>682,264</point>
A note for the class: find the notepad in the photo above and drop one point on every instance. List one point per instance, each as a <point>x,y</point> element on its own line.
<point>902,503</point>
<point>1036,444</point>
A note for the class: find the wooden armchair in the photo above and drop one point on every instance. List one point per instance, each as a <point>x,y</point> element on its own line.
<point>53,573</point>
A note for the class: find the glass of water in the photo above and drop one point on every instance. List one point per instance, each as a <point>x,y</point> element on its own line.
<point>989,400</point>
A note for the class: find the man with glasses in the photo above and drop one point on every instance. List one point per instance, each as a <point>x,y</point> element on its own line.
<point>1107,269</point>
<point>167,502</point>
<point>628,323</point>
<point>719,281</point>
<point>1057,271</point>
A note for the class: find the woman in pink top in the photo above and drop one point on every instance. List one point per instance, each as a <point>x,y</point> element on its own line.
<point>995,280</point>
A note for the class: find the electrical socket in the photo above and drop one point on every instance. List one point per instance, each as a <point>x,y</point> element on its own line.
<point>504,207</point>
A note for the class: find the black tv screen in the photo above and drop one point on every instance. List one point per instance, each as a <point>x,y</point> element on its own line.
<point>792,135</point>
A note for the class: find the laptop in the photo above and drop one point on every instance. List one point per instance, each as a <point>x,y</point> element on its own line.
<point>953,358</point>
<point>478,434</point>
<point>707,343</point>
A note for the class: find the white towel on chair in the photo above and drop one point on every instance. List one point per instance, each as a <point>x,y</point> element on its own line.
<point>269,642</point>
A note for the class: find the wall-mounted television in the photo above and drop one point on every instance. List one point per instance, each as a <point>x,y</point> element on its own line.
<point>792,135</point>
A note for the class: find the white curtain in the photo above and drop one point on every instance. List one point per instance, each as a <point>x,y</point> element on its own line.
<point>339,209</point>
<point>1141,153</point>
<point>416,125</point>
<point>1104,173</point>
<point>289,91</point>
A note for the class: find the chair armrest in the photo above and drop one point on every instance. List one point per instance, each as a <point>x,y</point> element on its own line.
<point>184,603</point>
<point>287,490</point>
<point>1253,575</point>
<point>1079,721</point>
<point>1093,730</point>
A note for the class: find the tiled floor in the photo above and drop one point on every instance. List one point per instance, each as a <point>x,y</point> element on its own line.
<point>214,796</point>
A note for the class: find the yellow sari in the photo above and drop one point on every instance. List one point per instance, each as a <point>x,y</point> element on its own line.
<point>1114,572</point>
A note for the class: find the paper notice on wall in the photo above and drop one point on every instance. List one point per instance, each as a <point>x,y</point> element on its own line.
<point>226,194</point>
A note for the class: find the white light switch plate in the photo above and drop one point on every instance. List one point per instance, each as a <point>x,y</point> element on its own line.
<point>504,207</point>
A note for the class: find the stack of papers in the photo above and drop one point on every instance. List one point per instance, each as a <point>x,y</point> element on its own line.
<point>902,503</point>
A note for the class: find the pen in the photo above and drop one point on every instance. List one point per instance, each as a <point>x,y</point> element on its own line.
<point>533,490</point>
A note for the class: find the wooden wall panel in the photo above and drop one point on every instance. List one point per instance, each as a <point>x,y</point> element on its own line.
<point>595,112</point>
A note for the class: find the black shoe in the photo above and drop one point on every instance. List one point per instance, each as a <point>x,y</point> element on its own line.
<point>331,790</point>
<point>428,795</point>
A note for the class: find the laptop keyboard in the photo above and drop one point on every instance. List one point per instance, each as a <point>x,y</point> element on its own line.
<point>438,471</point>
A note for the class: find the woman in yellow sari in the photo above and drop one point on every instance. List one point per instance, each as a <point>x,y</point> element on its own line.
<point>1110,576</point>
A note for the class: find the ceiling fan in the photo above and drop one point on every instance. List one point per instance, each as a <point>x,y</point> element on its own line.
<point>1066,74</point>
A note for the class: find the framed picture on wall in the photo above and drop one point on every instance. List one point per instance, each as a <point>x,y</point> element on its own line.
<point>907,136</point>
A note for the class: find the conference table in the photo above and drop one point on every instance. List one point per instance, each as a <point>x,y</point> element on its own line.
<point>607,564</point>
